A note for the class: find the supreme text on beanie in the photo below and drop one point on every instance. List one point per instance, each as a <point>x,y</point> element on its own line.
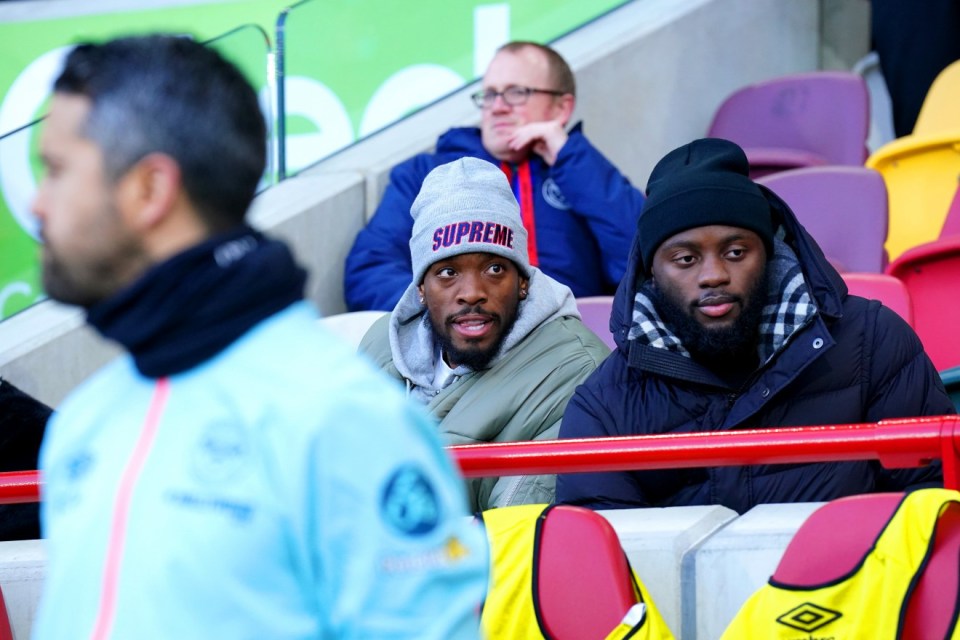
<point>466,206</point>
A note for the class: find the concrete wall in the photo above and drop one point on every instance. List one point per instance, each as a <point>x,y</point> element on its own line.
<point>654,75</point>
<point>844,33</point>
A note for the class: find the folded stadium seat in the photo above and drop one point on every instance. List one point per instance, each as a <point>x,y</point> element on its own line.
<point>352,326</point>
<point>595,314</point>
<point>951,226</point>
<point>885,288</point>
<point>938,114</point>
<point>559,572</point>
<point>931,273</point>
<point>843,208</point>
<point>921,176</point>
<point>820,551</point>
<point>828,551</point>
<point>799,120</point>
<point>921,169</point>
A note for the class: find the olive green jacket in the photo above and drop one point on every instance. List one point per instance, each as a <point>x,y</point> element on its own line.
<point>521,397</point>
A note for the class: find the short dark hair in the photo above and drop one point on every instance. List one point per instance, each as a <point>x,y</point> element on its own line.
<point>172,95</point>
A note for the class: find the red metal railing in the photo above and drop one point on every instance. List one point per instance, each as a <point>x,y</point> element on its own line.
<point>904,443</point>
<point>910,442</point>
<point>19,486</point>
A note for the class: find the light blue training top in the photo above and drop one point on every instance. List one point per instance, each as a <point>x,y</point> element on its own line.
<point>282,489</point>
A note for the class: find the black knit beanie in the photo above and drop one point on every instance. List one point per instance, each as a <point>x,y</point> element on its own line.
<point>702,183</point>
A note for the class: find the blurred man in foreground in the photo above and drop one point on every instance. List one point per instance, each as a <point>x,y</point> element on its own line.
<point>219,481</point>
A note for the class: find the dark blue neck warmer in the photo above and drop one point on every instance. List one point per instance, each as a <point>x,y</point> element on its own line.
<point>187,309</point>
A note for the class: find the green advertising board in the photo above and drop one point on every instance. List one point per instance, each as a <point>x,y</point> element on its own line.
<point>351,67</point>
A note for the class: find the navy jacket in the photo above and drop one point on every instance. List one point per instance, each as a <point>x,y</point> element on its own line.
<point>585,212</point>
<point>842,359</point>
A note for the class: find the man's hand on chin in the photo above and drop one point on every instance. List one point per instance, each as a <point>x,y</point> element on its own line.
<point>542,138</point>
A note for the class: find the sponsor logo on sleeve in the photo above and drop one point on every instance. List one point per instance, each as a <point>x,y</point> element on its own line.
<point>451,553</point>
<point>409,503</point>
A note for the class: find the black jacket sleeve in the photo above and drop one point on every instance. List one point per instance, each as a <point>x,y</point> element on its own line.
<point>23,420</point>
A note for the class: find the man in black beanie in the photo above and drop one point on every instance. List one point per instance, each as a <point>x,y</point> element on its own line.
<point>730,317</point>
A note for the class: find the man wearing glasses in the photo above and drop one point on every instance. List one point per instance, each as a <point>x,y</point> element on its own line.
<point>578,209</point>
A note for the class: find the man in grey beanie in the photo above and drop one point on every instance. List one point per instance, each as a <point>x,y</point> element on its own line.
<point>729,318</point>
<point>492,346</point>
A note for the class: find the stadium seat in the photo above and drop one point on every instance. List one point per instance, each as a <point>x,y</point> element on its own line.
<point>821,552</point>
<point>563,562</point>
<point>799,120</point>
<point>570,584</point>
<point>935,598</point>
<point>951,226</point>
<point>843,208</point>
<point>931,273</point>
<point>921,176</point>
<point>828,546</point>
<point>885,288</point>
<point>595,314</point>
<point>921,169</point>
<point>352,326</point>
<point>939,114</point>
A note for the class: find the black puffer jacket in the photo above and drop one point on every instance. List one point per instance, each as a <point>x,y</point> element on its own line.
<point>828,358</point>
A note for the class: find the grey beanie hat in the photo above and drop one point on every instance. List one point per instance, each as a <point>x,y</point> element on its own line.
<point>466,206</point>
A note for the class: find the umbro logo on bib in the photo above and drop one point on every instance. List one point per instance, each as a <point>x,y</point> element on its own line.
<point>808,617</point>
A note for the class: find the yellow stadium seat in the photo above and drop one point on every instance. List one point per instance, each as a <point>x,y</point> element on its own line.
<point>921,173</point>
<point>940,112</point>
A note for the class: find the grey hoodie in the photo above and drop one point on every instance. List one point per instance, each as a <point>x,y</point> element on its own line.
<point>520,396</point>
<point>413,342</point>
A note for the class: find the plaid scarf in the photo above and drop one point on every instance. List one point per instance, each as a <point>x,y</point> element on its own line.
<point>790,307</point>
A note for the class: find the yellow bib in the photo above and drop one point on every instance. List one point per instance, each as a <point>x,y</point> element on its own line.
<point>868,602</point>
<point>511,609</point>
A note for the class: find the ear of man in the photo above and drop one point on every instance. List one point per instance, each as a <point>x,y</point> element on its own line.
<point>148,192</point>
<point>565,105</point>
<point>155,206</point>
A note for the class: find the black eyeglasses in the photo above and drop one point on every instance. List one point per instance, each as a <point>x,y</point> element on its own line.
<point>513,96</point>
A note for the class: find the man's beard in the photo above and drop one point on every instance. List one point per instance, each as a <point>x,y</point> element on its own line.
<point>476,358</point>
<point>86,278</point>
<point>720,345</point>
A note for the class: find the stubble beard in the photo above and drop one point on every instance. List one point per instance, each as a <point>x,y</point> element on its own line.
<point>719,345</point>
